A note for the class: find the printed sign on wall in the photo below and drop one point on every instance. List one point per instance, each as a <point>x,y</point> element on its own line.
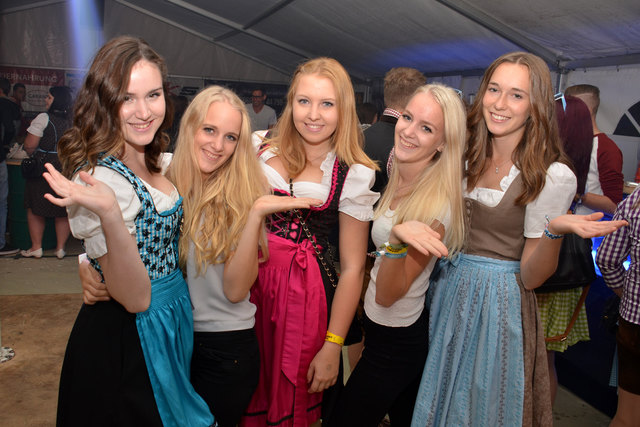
<point>37,81</point>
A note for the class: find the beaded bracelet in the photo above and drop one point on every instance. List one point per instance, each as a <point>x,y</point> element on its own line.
<point>334,339</point>
<point>549,234</point>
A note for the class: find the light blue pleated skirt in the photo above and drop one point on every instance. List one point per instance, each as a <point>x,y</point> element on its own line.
<point>474,374</point>
<point>166,336</point>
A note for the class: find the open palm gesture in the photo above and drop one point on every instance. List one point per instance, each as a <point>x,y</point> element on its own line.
<point>586,226</point>
<point>95,196</point>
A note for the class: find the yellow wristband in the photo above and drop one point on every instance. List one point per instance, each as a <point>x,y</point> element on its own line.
<point>395,248</point>
<point>334,339</point>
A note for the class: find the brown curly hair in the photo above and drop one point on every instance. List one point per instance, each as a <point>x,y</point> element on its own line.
<point>96,130</point>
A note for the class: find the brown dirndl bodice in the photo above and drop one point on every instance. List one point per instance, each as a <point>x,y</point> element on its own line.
<point>496,232</point>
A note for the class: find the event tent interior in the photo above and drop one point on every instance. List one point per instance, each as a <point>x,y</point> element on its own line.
<point>262,41</point>
<point>242,43</point>
<point>268,38</point>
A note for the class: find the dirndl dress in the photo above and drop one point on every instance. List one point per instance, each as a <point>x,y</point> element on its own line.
<point>292,294</point>
<point>164,340</point>
<point>486,364</point>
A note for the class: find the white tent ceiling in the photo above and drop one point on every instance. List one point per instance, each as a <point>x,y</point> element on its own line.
<point>583,41</point>
<point>219,38</point>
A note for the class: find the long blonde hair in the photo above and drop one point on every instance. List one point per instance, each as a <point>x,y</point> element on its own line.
<point>347,140</point>
<point>216,207</point>
<point>438,188</point>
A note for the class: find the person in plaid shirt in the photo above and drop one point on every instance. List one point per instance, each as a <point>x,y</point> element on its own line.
<point>612,253</point>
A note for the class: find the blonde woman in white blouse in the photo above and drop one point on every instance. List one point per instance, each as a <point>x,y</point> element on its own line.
<point>418,220</point>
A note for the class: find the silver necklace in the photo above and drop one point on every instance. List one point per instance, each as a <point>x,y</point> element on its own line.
<point>500,165</point>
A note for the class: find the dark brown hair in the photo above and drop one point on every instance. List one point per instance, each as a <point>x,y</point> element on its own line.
<point>62,101</point>
<point>574,123</point>
<point>96,130</point>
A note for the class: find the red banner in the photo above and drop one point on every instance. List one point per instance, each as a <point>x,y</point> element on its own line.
<point>37,82</point>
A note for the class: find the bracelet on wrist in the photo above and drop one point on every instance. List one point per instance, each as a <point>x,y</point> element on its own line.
<point>334,338</point>
<point>395,251</point>
<point>549,234</point>
<point>390,250</point>
<point>377,254</point>
<point>395,247</point>
<point>395,255</point>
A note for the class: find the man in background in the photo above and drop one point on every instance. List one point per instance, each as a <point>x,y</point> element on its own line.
<point>18,95</point>
<point>262,116</point>
<point>9,114</point>
<point>399,85</point>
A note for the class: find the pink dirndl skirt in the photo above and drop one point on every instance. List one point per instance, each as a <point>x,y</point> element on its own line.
<point>291,323</point>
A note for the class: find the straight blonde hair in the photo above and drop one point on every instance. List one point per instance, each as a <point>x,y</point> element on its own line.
<point>216,207</point>
<point>438,189</point>
<point>347,141</point>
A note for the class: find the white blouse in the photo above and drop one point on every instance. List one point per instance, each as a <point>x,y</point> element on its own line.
<point>593,179</point>
<point>406,310</point>
<point>356,199</point>
<point>554,199</point>
<point>38,125</point>
<point>86,224</point>
<point>212,311</point>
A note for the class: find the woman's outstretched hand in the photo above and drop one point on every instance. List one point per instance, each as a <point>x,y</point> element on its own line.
<point>95,196</point>
<point>584,225</point>
<point>419,236</point>
<point>269,204</point>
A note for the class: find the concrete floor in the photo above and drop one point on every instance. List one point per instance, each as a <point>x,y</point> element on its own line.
<point>49,276</point>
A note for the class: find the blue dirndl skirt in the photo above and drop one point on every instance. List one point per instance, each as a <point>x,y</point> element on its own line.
<point>166,336</point>
<point>474,373</point>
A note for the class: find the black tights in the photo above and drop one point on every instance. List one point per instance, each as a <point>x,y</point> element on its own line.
<point>386,378</point>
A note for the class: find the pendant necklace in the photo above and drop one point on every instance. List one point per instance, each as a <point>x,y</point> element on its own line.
<point>500,165</point>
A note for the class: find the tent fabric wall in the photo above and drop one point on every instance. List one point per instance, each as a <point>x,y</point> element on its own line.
<point>187,54</point>
<point>37,37</point>
<point>619,90</point>
<point>265,39</point>
<point>42,37</point>
<point>262,41</point>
